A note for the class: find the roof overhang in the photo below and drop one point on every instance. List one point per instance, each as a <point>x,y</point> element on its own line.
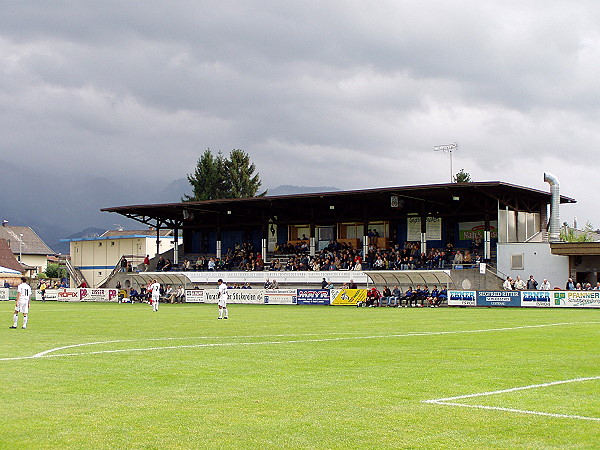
<point>575,248</point>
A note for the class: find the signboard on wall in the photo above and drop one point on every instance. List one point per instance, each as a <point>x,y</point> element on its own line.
<point>462,298</point>
<point>468,230</point>
<point>499,298</point>
<point>313,296</point>
<point>576,299</point>
<point>348,296</point>
<point>433,229</point>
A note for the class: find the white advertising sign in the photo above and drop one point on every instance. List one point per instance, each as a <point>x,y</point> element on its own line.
<point>194,295</point>
<point>576,299</point>
<point>433,229</point>
<point>280,296</point>
<point>335,276</point>
<point>462,298</point>
<point>4,294</point>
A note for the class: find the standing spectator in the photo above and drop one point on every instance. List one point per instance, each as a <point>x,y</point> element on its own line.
<point>123,264</point>
<point>43,287</point>
<point>22,303</point>
<point>146,263</point>
<point>570,286</point>
<point>519,284</point>
<point>507,285</point>
<point>532,285</point>
<point>222,299</point>
<point>545,286</point>
<point>6,284</point>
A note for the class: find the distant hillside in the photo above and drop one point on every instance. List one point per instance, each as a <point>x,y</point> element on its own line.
<point>286,189</point>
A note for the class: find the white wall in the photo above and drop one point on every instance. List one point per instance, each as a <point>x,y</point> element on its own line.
<point>537,261</point>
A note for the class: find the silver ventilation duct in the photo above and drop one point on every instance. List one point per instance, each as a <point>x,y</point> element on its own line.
<point>554,228</point>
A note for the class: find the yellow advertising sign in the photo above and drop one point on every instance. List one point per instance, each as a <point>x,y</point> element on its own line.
<point>349,297</point>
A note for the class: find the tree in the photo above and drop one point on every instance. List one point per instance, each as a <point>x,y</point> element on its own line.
<point>240,179</point>
<point>219,177</point>
<point>462,177</point>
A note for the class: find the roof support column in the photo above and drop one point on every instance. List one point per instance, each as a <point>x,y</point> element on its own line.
<point>218,242</point>
<point>423,234</point>
<point>487,234</point>
<point>264,241</point>
<point>157,239</point>
<point>176,247</point>
<point>312,248</point>
<point>365,240</point>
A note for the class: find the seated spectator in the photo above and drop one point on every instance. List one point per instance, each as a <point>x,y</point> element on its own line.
<point>408,297</point>
<point>441,298</point>
<point>168,266</point>
<point>433,296</point>
<point>386,296</point>
<point>396,294</point>
<point>373,296</point>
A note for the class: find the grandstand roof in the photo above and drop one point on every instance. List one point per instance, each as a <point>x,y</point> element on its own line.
<point>462,200</point>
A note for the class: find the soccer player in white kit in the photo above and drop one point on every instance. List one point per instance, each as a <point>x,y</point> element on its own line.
<point>222,299</point>
<point>22,303</point>
<point>155,288</point>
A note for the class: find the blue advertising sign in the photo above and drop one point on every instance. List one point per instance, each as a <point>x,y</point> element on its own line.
<point>313,297</point>
<point>499,298</point>
<point>535,298</point>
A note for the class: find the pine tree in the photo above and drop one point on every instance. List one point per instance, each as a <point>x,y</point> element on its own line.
<point>219,177</point>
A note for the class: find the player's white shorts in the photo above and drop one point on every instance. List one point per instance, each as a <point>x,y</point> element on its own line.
<point>155,298</point>
<point>22,307</point>
<point>222,303</point>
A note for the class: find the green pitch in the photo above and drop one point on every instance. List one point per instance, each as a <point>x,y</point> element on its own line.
<point>98,376</point>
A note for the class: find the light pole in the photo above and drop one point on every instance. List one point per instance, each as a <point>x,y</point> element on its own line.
<point>20,245</point>
<point>447,148</point>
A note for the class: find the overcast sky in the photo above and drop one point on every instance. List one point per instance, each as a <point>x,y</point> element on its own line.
<point>351,94</point>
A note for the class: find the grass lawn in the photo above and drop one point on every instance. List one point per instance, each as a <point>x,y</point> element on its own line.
<point>121,376</point>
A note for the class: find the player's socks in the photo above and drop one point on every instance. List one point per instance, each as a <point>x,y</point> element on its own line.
<point>225,311</point>
<point>25,321</point>
<point>220,313</point>
<point>15,320</point>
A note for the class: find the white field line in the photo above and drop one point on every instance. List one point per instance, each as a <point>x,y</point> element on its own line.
<point>449,400</point>
<point>48,353</point>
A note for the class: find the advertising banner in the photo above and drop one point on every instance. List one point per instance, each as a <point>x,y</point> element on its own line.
<point>575,299</point>
<point>338,277</point>
<point>499,298</point>
<point>281,296</point>
<point>462,298</point>
<point>51,294</point>
<point>348,296</point>
<point>4,294</point>
<point>313,297</point>
<point>248,296</point>
<point>536,298</point>
<point>67,295</point>
<point>97,295</point>
<point>194,295</point>
<point>433,229</point>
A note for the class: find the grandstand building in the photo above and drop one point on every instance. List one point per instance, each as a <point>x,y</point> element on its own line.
<point>506,224</point>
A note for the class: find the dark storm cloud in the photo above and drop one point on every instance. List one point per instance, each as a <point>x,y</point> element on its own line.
<point>350,94</point>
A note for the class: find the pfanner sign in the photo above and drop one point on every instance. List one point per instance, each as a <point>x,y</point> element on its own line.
<point>499,298</point>
<point>576,299</point>
<point>314,297</point>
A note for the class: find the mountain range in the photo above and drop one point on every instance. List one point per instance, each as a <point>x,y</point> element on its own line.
<point>61,206</point>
